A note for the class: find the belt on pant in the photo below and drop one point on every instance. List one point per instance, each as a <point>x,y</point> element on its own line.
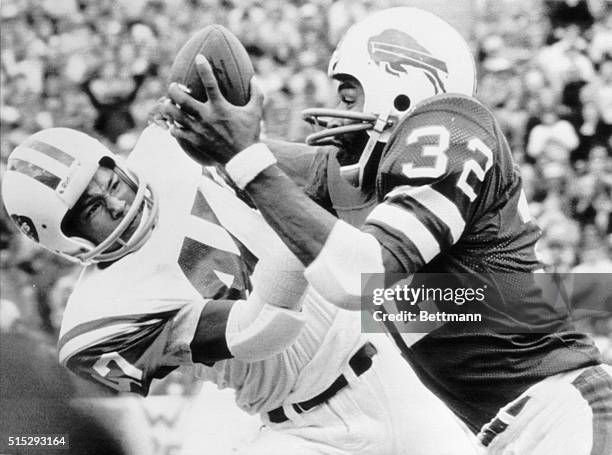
<point>360,362</point>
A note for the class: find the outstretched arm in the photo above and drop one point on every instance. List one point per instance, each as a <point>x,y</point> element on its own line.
<point>336,253</point>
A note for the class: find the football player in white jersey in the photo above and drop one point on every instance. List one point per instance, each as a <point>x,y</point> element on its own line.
<point>435,190</point>
<point>170,255</point>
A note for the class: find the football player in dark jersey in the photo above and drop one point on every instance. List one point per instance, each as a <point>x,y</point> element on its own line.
<point>434,189</point>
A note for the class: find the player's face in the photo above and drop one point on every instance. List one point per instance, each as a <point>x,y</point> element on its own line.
<point>350,98</point>
<point>102,207</point>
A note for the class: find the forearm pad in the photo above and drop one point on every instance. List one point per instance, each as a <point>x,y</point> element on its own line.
<point>269,321</point>
<point>336,272</point>
<point>257,330</point>
<point>279,278</point>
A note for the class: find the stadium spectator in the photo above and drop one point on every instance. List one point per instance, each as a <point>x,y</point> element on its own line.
<point>112,96</point>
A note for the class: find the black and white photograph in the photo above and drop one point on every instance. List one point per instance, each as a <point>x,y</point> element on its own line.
<point>306,227</point>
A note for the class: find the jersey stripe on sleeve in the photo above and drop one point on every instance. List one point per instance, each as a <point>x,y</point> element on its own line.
<point>436,203</point>
<point>93,332</point>
<point>419,221</point>
<point>406,224</point>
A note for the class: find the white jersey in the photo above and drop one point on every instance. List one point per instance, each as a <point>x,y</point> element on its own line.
<point>133,321</point>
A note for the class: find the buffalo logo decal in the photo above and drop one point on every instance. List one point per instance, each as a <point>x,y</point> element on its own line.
<point>394,50</point>
<point>26,226</point>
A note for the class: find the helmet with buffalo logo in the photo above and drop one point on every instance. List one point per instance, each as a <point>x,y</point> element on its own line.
<point>400,56</point>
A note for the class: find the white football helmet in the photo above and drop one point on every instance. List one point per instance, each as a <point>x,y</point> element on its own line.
<point>400,56</point>
<point>45,177</point>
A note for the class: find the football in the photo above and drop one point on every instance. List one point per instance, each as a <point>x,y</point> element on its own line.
<point>227,56</point>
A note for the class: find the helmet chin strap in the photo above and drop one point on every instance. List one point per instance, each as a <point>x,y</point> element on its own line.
<point>381,123</point>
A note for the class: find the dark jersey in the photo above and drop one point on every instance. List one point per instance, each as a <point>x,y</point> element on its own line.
<point>451,202</point>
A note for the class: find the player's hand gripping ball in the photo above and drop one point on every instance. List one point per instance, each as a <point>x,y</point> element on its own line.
<point>227,56</point>
<point>229,60</point>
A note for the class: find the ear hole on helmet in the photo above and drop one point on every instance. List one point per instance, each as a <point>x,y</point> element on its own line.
<point>68,225</point>
<point>107,161</point>
<point>401,103</point>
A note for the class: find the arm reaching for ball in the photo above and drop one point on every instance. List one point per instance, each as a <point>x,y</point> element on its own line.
<point>219,131</point>
<point>230,135</point>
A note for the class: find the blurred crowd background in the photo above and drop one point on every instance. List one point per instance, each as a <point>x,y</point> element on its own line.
<point>545,69</point>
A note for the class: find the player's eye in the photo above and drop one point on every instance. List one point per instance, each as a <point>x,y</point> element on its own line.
<point>114,185</point>
<point>347,97</point>
<point>93,208</point>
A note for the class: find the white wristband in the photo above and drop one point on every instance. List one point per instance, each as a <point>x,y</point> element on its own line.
<point>248,163</point>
